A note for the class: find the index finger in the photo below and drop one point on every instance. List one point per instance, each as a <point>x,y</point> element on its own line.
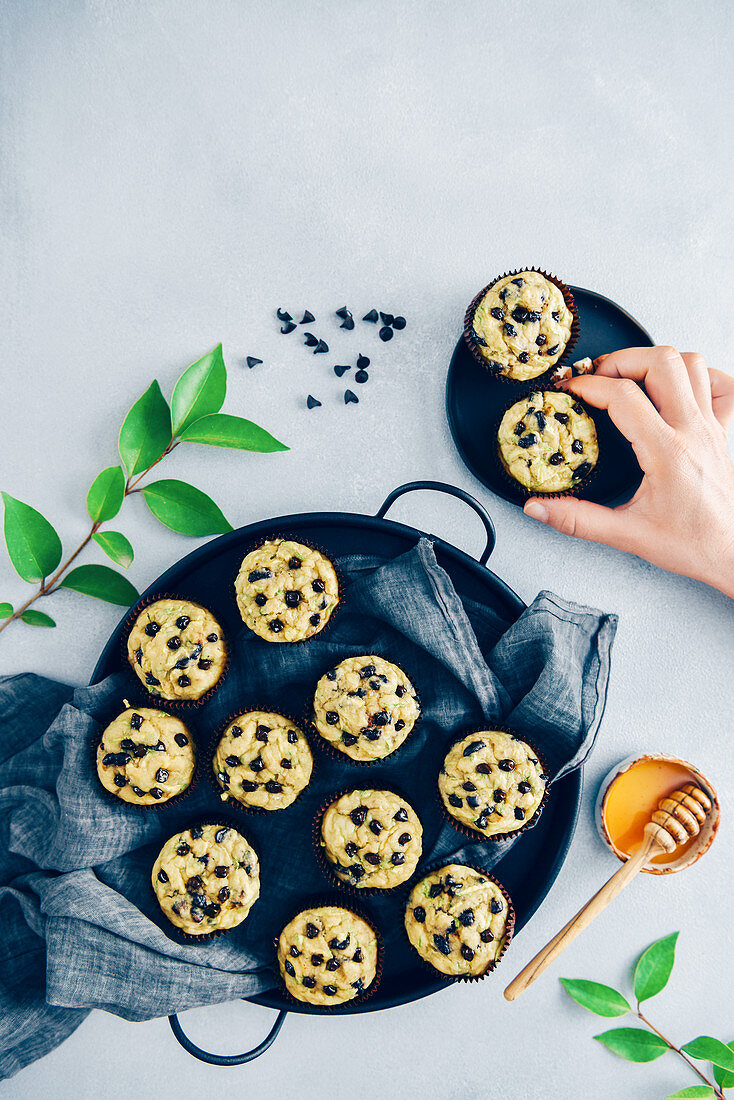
<point>633,413</point>
<point>664,375</point>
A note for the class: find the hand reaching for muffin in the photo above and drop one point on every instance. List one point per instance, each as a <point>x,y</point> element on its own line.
<point>682,516</point>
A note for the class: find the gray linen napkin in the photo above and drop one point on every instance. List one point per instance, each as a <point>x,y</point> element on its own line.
<point>81,927</point>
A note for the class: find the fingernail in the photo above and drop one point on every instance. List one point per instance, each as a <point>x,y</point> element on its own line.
<point>536,510</point>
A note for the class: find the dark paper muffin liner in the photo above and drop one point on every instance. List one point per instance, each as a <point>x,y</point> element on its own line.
<point>475,834</point>
<point>330,748</point>
<point>279,536</point>
<point>159,700</point>
<point>577,490</point>
<point>450,979</point>
<point>539,379</point>
<point>176,799</point>
<point>215,737</point>
<point>318,902</point>
<point>328,868</point>
<point>173,931</point>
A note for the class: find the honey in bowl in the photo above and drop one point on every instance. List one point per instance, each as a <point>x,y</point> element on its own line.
<point>630,795</point>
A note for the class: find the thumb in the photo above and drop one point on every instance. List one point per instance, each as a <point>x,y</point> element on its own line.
<point>581,519</point>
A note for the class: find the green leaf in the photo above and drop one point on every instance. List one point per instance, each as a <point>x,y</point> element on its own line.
<point>722,1078</point>
<point>6,610</point>
<point>33,545</point>
<point>37,618</point>
<point>106,494</point>
<point>654,966</point>
<point>711,1050</point>
<point>693,1092</point>
<point>102,583</point>
<point>598,998</point>
<point>633,1043</point>
<point>200,390</point>
<point>223,430</point>
<point>115,546</point>
<point>184,508</point>
<point>146,431</point>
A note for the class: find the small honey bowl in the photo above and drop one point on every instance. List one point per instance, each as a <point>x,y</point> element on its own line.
<point>630,794</point>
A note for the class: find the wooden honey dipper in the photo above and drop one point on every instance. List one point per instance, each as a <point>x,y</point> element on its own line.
<point>679,817</point>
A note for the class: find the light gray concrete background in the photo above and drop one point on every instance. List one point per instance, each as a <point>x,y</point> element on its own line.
<point>172,172</point>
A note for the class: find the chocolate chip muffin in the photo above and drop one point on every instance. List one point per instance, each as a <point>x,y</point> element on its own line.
<point>520,326</point>
<point>492,783</point>
<point>286,592</point>
<point>371,839</point>
<point>206,879</point>
<point>459,920</point>
<point>177,649</point>
<point>327,956</point>
<point>365,707</point>
<point>547,442</point>
<point>263,760</point>
<point>145,756</point>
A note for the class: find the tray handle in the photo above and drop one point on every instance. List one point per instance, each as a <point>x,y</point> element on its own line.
<point>452,491</point>
<point>227,1059</point>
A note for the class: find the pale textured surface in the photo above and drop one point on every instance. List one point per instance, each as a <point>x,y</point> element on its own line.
<point>172,174</point>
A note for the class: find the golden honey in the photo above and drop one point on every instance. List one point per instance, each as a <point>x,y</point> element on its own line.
<point>633,797</point>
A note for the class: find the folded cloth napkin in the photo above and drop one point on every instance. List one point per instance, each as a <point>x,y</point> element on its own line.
<point>81,927</point>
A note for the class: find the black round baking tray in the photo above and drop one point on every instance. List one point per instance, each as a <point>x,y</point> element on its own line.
<point>476,401</point>
<point>529,870</point>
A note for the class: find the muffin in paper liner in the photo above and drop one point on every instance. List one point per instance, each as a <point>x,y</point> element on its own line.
<point>232,801</point>
<point>155,803</point>
<point>476,834</point>
<point>332,746</point>
<point>331,902</point>
<point>471,337</point>
<point>418,899</point>
<point>275,638</point>
<point>521,491</point>
<point>216,822</point>
<point>403,824</point>
<point>143,690</point>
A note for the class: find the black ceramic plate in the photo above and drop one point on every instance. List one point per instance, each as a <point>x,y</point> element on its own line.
<point>475,402</point>
<point>529,869</point>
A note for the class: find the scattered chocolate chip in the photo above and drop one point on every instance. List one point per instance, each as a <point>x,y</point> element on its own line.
<point>252,361</point>
<point>223,894</point>
<point>347,323</point>
<point>339,945</point>
<point>285,329</point>
<point>127,744</point>
<point>362,362</point>
<point>385,334</point>
<point>466,952</point>
<point>482,343</point>
<point>382,718</point>
<point>283,314</point>
<point>181,739</point>
<point>561,417</point>
<point>495,906</point>
<point>519,813</point>
<point>138,792</point>
<point>161,775</point>
<point>151,680</point>
<point>472,802</point>
<point>524,787</point>
<point>212,637</point>
<point>556,459</point>
<point>220,835</point>
<point>340,370</point>
<point>315,619</point>
<point>332,717</point>
<point>152,629</point>
<point>292,737</point>
<point>526,441</point>
<point>351,848</point>
<point>373,858</point>
<point>350,398</point>
<point>372,734</point>
<point>321,348</point>
<point>311,341</point>
<point>397,858</point>
<point>387,318</point>
<point>318,585</point>
<point>312,932</point>
<point>454,800</point>
<point>184,681</point>
<point>261,599</point>
<point>273,787</point>
<point>288,967</point>
<point>519,427</point>
<point>358,815</point>
<point>162,876</point>
<point>582,470</point>
<point>120,780</point>
<point>577,447</point>
<point>248,785</point>
<point>174,642</point>
<point>553,350</point>
<point>540,339</point>
<point>309,981</point>
<point>312,403</point>
<point>183,850</point>
<point>540,417</point>
<point>499,795</point>
<point>510,330</point>
<point>196,832</point>
<point>519,282</point>
<point>223,778</point>
<point>577,407</point>
<point>372,316</point>
<point>506,765</point>
<point>468,786</point>
<point>356,871</point>
<point>116,759</point>
<point>399,323</point>
<point>276,625</point>
<point>442,944</point>
<point>361,376</point>
<point>342,312</point>
<point>332,964</point>
<point>194,884</point>
<point>330,990</point>
<point>483,768</point>
<point>473,746</point>
<point>292,598</point>
<point>376,826</point>
<point>349,739</point>
<point>307,319</point>
<point>401,814</point>
<point>404,838</point>
<point>257,764</point>
<point>556,316</point>
<point>233,761</point>
<point>497,313</point>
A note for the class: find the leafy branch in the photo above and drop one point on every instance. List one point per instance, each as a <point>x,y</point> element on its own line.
<point>151,430</point>
<point>652,971</point>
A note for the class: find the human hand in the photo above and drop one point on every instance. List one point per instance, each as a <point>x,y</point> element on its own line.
<point>682,516</point>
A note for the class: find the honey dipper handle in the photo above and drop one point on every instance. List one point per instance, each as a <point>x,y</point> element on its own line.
<point>583,919</point>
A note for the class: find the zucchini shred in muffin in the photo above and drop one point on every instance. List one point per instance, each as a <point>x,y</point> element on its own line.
<point>286,592</point>
<point>520,325</point>
<point>459,920</point>
<point>263,761</point>
<point>547,442</point>
<point>370,839</point>
<point>177,650</point>
<point>365,707</point>
<point>206,879</point>
<point>145,756</point>
<point>492,784</point>
<point>327,955</point>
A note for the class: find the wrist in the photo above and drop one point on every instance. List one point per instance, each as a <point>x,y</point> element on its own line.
<point>720,573</point>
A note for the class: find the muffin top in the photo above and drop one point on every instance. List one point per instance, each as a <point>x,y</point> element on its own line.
<point>547,442</point>
<point>327,955</point>
<point>492,782</point>
<point>372,839</point>
<point>145,756</point>
<point>286,592</point>
<point>459,921</point>
<point>522,325</point>
<point>177,649</point>
<point>263,759</point>
<point>206,878</point>
<point>365,707</point>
